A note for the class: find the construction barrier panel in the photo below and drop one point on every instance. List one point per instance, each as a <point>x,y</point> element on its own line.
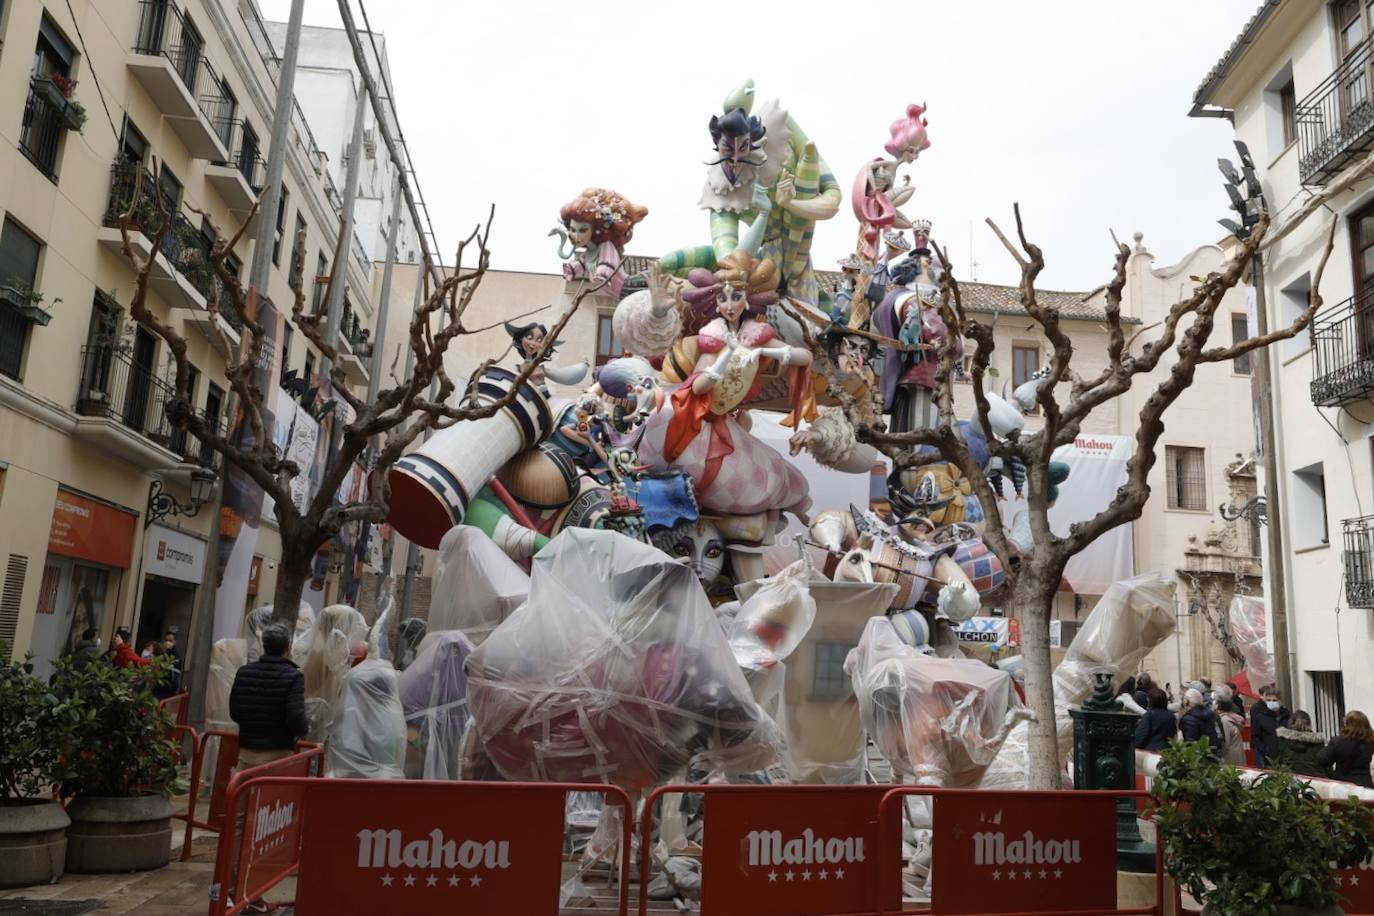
<point>1018,853</point>
<point>177,706</point>
<point>403,846</point>
<point>785,850</point>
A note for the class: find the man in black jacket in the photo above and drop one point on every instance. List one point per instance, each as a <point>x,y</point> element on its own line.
<point>268,702</point>
<point>1266,718</point>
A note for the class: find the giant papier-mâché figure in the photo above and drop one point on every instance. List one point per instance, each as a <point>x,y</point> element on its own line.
<point>597,224</point>
<point>877,193</point>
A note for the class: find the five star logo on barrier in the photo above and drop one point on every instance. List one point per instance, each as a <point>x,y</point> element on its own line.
<point>455,880</point>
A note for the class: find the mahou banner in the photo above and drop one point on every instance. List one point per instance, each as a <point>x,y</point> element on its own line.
<point>430,849</point>
<point>1004,854</point>
<point>1356,887</point>
<point>771,856</point>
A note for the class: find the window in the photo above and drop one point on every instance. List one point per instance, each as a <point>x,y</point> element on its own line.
<point>18,271</point>
<point>1309,507</point>
<point>45,110</point>
<point>1240,330</point>
<point>224,113</point>
<point>180,436</point>
<point>281,226</point>
<point>1328,701</point>
<point>247,158</point>
<point>321,281</point>
<point>1288,117</point>
<point>298,254</point>
<point>1186,472</point>
<point>608,346</point>
<point>829,680</point>
<point>287,332</point>
<point>1025,362</point>
<point>309,374</point>
<point>132,143</point>
<point>102,334</point>
<point>1293,300</point>
<point>214,406</point>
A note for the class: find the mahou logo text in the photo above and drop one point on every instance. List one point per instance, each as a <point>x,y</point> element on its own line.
<point>993,849</point>
<point>767,847</point>
<point>388,849</point>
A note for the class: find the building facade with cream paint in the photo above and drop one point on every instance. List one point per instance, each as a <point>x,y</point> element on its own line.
<point>1298,85</point>
<point>178,97</point>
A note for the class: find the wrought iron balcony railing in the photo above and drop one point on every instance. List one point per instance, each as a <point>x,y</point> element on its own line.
<point>1335,121</point>
<point>1359,561</point>
<point>164,30</point>
<point>245,154</point>
<point>1343,352</point>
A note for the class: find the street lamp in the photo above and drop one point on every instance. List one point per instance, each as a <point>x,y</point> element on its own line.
<point>1255,510</point>
<point>162,504</point>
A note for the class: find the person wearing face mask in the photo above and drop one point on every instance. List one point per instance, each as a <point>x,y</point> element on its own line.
<point>87,649</point>
<point>1266,718</point>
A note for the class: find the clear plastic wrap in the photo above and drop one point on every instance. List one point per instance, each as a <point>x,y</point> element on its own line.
<point>824,734</point>
<point>434,695</point>
<point>940,721</point>
<point>1133,617</point>
<point>227,656</point>
<point>369,741</point>
<point>1010,769</point>
<point>379,637</point>
<point>771,623</point>
<point>1248,628</point>
<point>476,586</point>
<point>409,635</point>
<point>615,670</point>
<point>256,620</point>
<point>323,653</point>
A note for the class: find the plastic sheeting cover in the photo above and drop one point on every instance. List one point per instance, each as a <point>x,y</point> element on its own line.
<point>323,654</point>
<point>1133,617</point>
<point>434,695</point>
<point>227,656</point>
<point>370,740</point>
<point>615,670</point>
<point>256,620</point>
<point>938,720</point>
<point>476,586</point>
<point>1246,617</point>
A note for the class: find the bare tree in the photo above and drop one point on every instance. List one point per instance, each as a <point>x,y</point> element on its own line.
<point>387,426</point>
<point>1033,575</point>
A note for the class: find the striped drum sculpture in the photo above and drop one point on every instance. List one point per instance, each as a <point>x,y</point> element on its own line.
<point>432,486</point>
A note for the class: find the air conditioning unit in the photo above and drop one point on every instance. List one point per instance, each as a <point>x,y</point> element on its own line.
<point>370,144</point>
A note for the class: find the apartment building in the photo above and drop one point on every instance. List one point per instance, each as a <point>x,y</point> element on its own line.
<point>105,514</point>
<point>1298,85</point>
<point>1180,534</point>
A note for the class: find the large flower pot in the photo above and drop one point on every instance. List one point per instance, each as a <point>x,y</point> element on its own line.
<point>119,834</point>
<point>33,841</point>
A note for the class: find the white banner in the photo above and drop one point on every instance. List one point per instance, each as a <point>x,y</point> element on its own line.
<point>991,631</point>
<point>1097,469</point>
<point>174,554</point>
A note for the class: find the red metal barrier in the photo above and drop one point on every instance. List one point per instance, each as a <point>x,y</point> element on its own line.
<point>177,706</point>
<point>403,846</point>
<point>785,849</point>
<point>1047,852</point>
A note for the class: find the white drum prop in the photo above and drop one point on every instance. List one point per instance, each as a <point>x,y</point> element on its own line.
<point>432,486</point>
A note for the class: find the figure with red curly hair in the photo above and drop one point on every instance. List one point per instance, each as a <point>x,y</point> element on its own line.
<point>596,227</point>
<point>701,430</point>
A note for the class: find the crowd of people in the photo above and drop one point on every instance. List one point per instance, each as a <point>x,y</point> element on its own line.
<point>1278,737</point>
<point>121,654</point>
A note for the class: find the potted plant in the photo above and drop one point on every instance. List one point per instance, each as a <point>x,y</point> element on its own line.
<point>74,115</point>
<point>120,769</point>
<point>25,301</point>
<point>33,827</point>
<point>1253,847</point>
<point>50,89</point>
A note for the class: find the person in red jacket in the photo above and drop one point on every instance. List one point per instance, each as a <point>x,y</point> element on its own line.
<point>121,653</point>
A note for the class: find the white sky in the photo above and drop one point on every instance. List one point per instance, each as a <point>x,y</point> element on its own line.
<point>1077,110</point>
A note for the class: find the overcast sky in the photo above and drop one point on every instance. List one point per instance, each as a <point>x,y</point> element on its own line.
<point>1077,110</point>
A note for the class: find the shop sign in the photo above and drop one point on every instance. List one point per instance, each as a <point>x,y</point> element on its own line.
<point>87,530</point>
<point>991,631</point>
<point>1007,854</point>
<point>173,554</point>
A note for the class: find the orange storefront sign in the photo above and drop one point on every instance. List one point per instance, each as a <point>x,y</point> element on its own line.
<point>87,530</point>
<point>254,575</point>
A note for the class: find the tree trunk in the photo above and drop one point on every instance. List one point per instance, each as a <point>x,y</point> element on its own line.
<point>1033,599</point>
<point>292,575</point>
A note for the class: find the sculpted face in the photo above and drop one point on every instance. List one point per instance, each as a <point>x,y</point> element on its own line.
<point>731,303</point>
<point>531,342</point>
<point>580,233</point>
<point>697,544</point>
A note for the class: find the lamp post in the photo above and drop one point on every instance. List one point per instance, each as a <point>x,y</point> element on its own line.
<point>1104,758</point>
<point>162,504</point>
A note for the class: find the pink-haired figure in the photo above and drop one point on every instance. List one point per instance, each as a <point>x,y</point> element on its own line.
<point>876,192</point>
<point>596,227</point>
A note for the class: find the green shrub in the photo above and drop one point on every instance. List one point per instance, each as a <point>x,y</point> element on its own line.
<point>31,732</point>
<point>1244,849</point>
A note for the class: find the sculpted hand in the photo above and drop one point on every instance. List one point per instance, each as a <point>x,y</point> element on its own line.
<point>786,190</point>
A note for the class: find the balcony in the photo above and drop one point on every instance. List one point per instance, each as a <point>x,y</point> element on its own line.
<point>166,59</point>
<point>1359,561</point>
<point>1343,353</point>
<point>1335,121</point>
<point>181,273</point>
<point>355,349</point>
<point>48,113</point>
<point>241,178</point>
<point>122,408</point>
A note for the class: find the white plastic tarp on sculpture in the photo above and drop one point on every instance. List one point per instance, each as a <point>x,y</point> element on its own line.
<point>1132,618</point>
<point>476,586</point>
<point>828,487</point>
<point>940,721</point>
<point>824,733</point>
<point>369,741</point>
<point>615,670</point>
<point>258,619</point>
<point>1249,628</point>
<point>1097,469</point>
<point>434,695</point>
<point>323,654</point>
